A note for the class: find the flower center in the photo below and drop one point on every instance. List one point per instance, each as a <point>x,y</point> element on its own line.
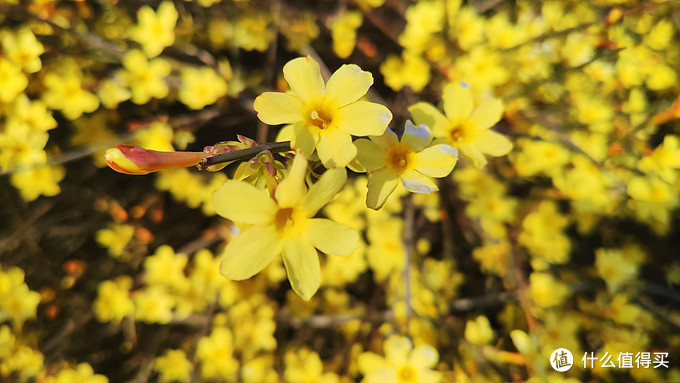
<point>462,133</point>
<point>399,157</point>
<point>407,374</point>
<point>289,221</point>
<point>320,117</point>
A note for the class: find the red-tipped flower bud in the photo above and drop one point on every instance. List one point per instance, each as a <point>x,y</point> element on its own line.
<point>136,160</point>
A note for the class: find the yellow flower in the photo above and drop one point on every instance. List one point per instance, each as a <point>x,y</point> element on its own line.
<point>65,92</point>
<point>304,365</point>
<point>116,238</point>
<point>284,225</point>
<point>82,373</point>
<point>344,30</point>
<point>201,87</point>
<point>410,70</point>
<point>113,301</point>
<point>324,115</point>
<point>216,355</point>
<point>402,363</point>
<point>614,267</point>
<point>41,181</point>
<point>546,291</point>
<point>173,366</point>
<point>145,78</point>
<point>17,301</point>
<point>465,128</point>
<point>12,80</point>
<point>479,331</point>
<point>411,160</point>
<point>165,267</point>
<point>24,49</point>
<point>153,305</point>
<point>155,30</point>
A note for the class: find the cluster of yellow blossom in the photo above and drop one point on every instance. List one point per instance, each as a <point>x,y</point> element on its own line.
<point>556,226</point>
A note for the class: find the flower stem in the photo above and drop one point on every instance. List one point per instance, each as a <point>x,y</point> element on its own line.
<point>246,154</point>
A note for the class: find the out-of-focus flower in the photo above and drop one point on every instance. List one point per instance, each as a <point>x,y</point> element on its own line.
<point>401,363</point>
<point>145,78</point>
<point>201,87</point>
<point>155,30</point>
<point>113,301</point>
<point>478,331</point>
<point>344,32</point>
<point>465,128</point>
<point>136,160</point>
<point>173,366</point>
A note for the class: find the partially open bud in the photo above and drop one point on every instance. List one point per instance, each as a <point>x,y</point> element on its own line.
<point>136,160</point>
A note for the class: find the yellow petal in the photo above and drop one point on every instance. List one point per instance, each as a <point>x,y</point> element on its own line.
<point>286,134</point>
<point>424,113</point>
<point>397,349</point>
<point>305,139</point>
<point>331,237</point>
<point>416,182</point>
<point>436,161</point>
<point>457,101</point>
<point>249,252</point>
<point>474,154</point>
<point>302,265</point>
<point>335,148</point>
<point>323,191</point>
<point>369,154</point>
<point>487,114</point>
<point>416,137</point>
<point>276,108</point>
<point>304,77</point>
<point>424,356</point>
<point>242,202</point>
<point>292,190</point>
<point>348,84</point>
<point>381,184</point>
<point>363,118</point>
<point>493,143</point>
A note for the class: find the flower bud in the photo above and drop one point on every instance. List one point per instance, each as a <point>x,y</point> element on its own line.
<point>136,160</point>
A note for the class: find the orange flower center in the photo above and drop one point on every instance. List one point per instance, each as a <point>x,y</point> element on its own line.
<point>320,117</point>
<point>462,132</point>
<point>399,157</point>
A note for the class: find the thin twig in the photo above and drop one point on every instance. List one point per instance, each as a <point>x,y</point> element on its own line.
<point>274,147</point>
